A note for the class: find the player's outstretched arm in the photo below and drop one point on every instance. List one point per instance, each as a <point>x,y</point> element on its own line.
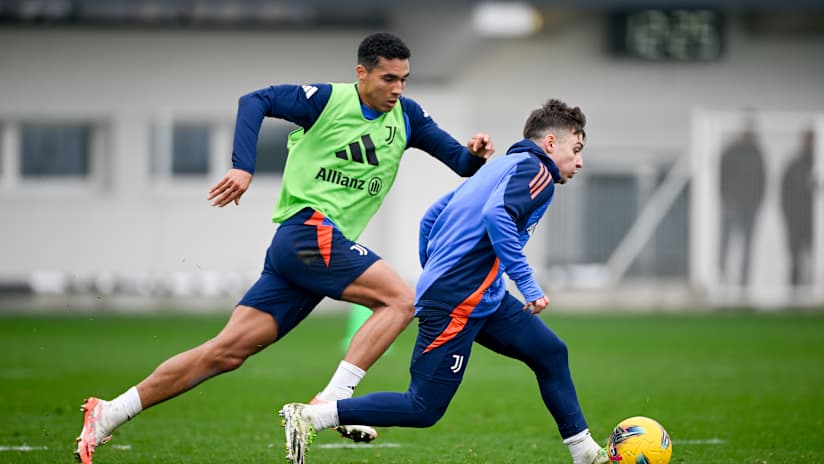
<point>481,145</point>
<point>233,185</point>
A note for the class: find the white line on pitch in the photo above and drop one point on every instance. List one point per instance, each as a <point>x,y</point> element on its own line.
<point>357,445</point>
<point>24,448</point>
<point>708,441</point>
<point>27,448</point>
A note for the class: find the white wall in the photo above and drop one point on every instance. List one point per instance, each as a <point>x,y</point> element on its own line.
<point>132,222</point>
<point>126,77</point>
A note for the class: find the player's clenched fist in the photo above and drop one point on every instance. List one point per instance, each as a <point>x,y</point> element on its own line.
<point>481,145</point>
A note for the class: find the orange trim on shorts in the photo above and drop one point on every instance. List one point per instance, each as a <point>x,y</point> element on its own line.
<point>461,312</point>
<point>324,235</point>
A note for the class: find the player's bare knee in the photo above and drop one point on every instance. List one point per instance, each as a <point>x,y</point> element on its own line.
<point>406,305</point>
<point>408,311</point>
<point>230,362</point>
<point>403,312</point>
<point>222,359</point>
<point>397,313</point>
<point>401,304</point>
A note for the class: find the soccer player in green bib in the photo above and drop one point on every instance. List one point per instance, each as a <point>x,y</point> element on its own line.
<point>342,161</point>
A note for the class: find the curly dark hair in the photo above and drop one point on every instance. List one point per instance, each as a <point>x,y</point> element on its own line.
<point>381,44</point>
<point>555,114</point>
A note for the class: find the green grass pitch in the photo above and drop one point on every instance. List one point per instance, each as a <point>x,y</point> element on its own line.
<point>737,388</point>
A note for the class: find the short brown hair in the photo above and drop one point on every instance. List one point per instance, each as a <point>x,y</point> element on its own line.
<point>555,114</point>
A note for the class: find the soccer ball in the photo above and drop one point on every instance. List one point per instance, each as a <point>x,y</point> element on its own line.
<point>639,440</point>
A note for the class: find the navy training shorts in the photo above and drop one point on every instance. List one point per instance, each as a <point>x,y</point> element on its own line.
<point>308,259</point>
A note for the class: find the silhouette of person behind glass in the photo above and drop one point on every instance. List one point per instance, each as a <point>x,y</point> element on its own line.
<point>742,191</point>
<point>797,207</point>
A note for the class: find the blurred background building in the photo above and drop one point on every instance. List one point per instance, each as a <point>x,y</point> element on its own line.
<point>701,185</point>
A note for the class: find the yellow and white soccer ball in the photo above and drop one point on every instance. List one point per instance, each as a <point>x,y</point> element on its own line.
<point>639,440</point>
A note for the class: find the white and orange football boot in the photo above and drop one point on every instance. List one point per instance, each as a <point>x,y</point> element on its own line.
<point>93,433</point>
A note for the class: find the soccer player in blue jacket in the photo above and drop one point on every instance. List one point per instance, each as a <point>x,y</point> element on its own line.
<point>468,239</point>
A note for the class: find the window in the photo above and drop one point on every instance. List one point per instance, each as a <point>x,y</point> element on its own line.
<point>190,149</point>
<point>55,150</point>
<point>613,203</point>
<point>611,206</point>
<point>180,148</point>
<point>271,146</point>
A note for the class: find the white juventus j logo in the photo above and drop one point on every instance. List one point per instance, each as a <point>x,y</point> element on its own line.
<point>360,249</point>
<point>458,363</point>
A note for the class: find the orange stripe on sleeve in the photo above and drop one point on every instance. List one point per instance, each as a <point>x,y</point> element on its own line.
<point>538,188</point>
<point>539,182</point>
<point>542,172</point>
<point>461,312</point>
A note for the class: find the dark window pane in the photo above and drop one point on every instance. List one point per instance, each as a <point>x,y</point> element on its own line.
<point>671,242</point>
<point>190,149</point>
<point>271,146</point>
<point>613,203</point>
<point>611,207</point>
<point>55,150</point>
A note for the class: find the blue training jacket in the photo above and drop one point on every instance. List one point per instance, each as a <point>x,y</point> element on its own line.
<point>474,234</point>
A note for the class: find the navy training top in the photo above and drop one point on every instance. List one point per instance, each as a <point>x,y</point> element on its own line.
<point>303,104</point>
